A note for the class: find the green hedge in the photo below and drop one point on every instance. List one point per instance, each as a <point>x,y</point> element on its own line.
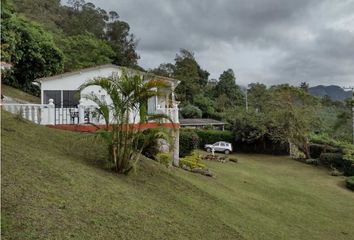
<point>188,141</point>
<point>212,136</point>
<point>350,183</point>
<point>337,160</point>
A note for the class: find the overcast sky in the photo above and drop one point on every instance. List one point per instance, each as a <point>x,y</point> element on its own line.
<point>268,41</point>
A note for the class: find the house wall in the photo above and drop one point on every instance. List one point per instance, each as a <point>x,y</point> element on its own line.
<point>74,81</point>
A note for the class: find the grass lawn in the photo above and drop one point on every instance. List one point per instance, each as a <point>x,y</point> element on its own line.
<point>54,188</point>
<point>16,93</point>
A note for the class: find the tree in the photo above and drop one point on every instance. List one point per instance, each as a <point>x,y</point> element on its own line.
<point>304,86</point>
<point>30,49</point>
<point>205,104</point>
<point>191,111</point>
<point>223,102</point>
<point>82,20</point>
<point>86,50</point>
<point>250,126</point>
<point>292,115</point>
<point>227,85</point>
<point>76,4</point>
<point>257,96</point>
<point>123,43</point>
<point>129,94</point>
<point>113,15</point>
<point>164,69</point>
<point>192,77</point>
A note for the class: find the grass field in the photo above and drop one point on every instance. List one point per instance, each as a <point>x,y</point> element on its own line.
<point>54,188</point>
<point>16,93</point>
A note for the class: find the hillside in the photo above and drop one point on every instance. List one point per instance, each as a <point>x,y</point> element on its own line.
<point>336,93</point>
<point>54,188</point>
<point>15,93</point>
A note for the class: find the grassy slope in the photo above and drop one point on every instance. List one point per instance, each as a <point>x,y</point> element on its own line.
<point>16,93</point>
<point>52,189</point>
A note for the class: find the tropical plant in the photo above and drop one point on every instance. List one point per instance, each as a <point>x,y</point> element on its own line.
<point>128,95</point>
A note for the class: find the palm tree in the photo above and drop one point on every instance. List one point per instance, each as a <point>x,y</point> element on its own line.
<point>129,94</point>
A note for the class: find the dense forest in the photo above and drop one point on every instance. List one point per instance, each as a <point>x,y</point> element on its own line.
<point>43,38</point>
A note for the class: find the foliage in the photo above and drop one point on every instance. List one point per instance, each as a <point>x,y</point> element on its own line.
<point>257,96</point>
<point>192,77</point>
<point>128,93</point>
<point>227,85</point>
<point>338,161</point>
<point>191,111</point>
<point>149,140</point>
<point>292,114</point>
<point>350,182</point>
<point>192,161</point>
<point>82,51</point>
<point>79,18</point>
<point>188,141</point>
<point>164,158</point>
<point>205,104</point>
<point>250,126</point>
<point>30,49</point>
<point>213,136</point>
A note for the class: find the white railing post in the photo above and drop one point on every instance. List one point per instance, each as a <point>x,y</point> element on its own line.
<point>51,112</point>
<point>81,112</point>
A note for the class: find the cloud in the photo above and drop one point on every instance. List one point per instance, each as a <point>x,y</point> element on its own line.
<point>270,41</point>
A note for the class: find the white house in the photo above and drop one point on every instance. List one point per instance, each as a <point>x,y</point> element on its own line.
<point>63,89</point>
<point>64,106</point>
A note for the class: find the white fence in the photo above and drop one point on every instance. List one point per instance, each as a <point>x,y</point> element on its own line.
<point>48,114</point>
<point>37,113</point>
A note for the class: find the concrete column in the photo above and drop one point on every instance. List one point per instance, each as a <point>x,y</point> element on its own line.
<point>175,160</point>
<point>81,108</point>
<point>51,112</point>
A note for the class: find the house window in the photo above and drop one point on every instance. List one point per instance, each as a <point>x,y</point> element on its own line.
<point>65,99</point>
<point>52,94</point>
<point>71,98</point>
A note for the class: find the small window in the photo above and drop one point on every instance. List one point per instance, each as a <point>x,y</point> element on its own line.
<point>52,94</point>
<point>222,144</point>
<point>71,98</point>
<point>216,144</point>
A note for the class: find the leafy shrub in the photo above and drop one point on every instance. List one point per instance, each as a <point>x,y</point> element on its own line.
<point>350,183</point>
<point>192,161</point>
<point>317,149</point>
<point>188,141</point>
<point>191,111</point>
<point>312,161</point>
<point>212,136</point>
<point>164,158</point>
<point>337,160</point>
<point>331,159</point>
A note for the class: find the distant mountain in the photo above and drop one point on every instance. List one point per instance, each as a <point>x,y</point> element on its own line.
<point>336,93</point>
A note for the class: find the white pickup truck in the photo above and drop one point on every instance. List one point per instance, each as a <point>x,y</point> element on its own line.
<point>224,147</point>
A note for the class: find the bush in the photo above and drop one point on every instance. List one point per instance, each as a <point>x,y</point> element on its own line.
<point>337,160</point>
<point>164,158</point>
<point>212,136</point>
<point>317,149</point>
<point>192,161</point>
<point>350,183</point>
<point>188,141</point>
<point>312,161</point>
<point>191,111</point>
<point>331,159</point>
